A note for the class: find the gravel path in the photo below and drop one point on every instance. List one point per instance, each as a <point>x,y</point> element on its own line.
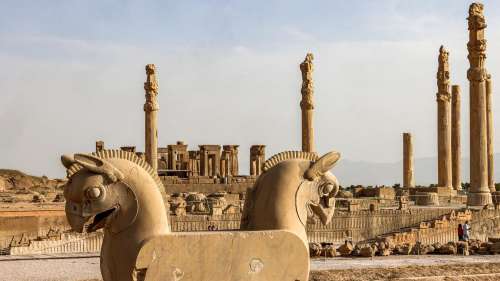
<point>86,267</point>
<point>49,268</point>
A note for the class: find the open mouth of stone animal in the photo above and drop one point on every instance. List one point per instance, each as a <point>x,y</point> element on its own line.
<point>327,201</point>
<point>99,220</point>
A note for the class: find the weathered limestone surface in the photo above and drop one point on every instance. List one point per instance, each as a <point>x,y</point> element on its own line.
<point>443,120</point>
<point>257,159</point>
<point>307,104</point>
<point>408,166</point>
<point>427,199</point>
<point>489,114</point>
<point>479,192</point>
<point>150,108</point>
<point>225,256</point>
<point>456,152</point>
<point>299,184</point>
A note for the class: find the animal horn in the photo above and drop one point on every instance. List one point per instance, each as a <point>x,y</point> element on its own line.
<point>67,161</point>
<point>98,166</point>
<point>322,165</point>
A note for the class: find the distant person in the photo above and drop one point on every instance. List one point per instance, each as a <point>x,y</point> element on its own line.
<point>460,232</point>
<point>466,231</point>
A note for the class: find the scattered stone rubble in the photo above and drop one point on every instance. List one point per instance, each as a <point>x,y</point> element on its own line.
<point>381,248</point>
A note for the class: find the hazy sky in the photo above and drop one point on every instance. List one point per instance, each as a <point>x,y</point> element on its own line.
<point>72,72</point>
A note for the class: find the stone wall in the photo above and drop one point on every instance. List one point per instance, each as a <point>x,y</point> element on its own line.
<point>67,243</point>
<point>206,188</point>
<point>363,225</point>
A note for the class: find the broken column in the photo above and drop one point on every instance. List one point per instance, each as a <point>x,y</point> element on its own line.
<point>479,192</point>
<point>456,152</point>
<point>489,116</point>
<point>150,108</point>
<point>306,104</point>
<point>408,170</point>
<point>257,159</point>
<point>99,146</point>
<point>443,120</point>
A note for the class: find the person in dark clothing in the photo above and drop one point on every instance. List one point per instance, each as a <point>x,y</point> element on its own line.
<point>460,231</point>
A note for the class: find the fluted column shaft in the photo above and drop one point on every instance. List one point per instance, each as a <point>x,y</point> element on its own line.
<point>443,98</point>
<point>456,153</point>
<point>479,192</point>
<point>490,145</point>
<point>408,165</point>
<point>150,109</point>
<point>306,104</point>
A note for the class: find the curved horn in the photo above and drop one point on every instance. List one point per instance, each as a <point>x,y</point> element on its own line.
<point>323,165</point>
<point>67,161</point>
<point>98,166</point>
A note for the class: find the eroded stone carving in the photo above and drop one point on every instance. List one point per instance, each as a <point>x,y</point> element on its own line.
<point>121,193</point>
<point>294,182</point>
<point>479,192</point>
<point>443,120</point>
<point>117,191</point>
<point>307,104</point>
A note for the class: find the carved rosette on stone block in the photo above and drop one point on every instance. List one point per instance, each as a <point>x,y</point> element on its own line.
<point>150,109</point>
<point>306,104</point>
<point>443,120</point>
<point>479,192</point>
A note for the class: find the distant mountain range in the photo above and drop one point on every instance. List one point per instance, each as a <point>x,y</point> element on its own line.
<point>371,173</point>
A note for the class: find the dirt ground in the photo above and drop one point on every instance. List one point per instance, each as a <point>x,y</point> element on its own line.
<point>453,272</point>
<point>404,268</point>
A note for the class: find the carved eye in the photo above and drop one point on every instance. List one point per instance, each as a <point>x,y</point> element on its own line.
<point>326,189</point>
<point>93,192</point>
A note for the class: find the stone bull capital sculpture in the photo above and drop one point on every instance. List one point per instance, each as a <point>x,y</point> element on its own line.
<point>119,192</point>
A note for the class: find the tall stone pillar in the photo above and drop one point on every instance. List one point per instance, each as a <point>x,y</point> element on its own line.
<point>443,120</point>
<point>479,192</point>
<point>408,168</point>
<point>151,108</point>
<point>306,104</point>
<point>456,153</point>
<point>489,116</point>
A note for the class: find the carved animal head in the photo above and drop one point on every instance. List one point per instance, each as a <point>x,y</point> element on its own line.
<point>295,185</point>
<point>103,193</point>
<point>320,187</point>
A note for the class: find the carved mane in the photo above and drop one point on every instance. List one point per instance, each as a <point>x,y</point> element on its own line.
<point>121,154</point>
<point>288,155</point>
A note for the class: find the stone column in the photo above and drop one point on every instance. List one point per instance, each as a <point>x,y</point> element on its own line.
<point>99,146</point>
<point>306,104</point>
<point>479,192</point>
<point>489,116</point>
<point>151,108</point>
<point>257,159</point>
<point>456,153</point>
<point>443,120</point>
<point>408,169</point>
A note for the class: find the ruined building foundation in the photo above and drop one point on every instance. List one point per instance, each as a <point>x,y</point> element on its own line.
<point>479,192</point>
<point>306,104</point>
<point>150,109</point>
<point>443,98</point>
<point>456,152</point>
<point>408,168</point>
